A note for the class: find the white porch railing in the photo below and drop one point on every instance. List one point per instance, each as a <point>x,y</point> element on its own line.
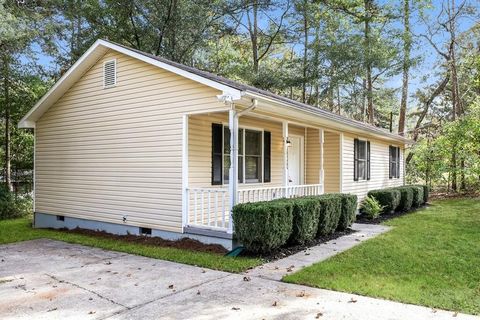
<point>272,193</point>
<point>209,207</point>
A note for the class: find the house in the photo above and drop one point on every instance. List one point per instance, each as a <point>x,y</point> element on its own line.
<point>128,142</point>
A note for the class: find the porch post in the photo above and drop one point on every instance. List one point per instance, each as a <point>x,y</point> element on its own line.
<point>233,172</point>
<point>341,162</point>
<point>285,155</point>
<point>186,193</point>
<point>322,172</point>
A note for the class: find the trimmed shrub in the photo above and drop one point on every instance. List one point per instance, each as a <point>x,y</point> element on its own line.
<point>263,226</point>
<point>349,211</point>
<point>12,207</point>
<point>426,192</point>
<point>388,198</point>
<point>417,196</point>
<point>406,198</point>
<point>371,207</point>
<point>329,213</point>
<point>305,219</point>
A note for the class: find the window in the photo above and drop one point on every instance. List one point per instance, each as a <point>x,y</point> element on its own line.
<point>253,155</point>
<point>394,162</point>
<point>361,161</point>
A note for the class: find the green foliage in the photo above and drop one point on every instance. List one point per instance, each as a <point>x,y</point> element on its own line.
<point>349,211</point>
<point>371,207</point>
<point>429,258</point>
<point>388,198</point>
<point>263,226</point>
<point>13,207</point>
<point>406,198</point>
<point>330,211</point>
<point>417,196</point>
<point>305,219</point>
<point>426,192</point>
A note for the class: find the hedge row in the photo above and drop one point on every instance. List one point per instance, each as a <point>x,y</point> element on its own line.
<point>266,226</point>
<point>400,198</point>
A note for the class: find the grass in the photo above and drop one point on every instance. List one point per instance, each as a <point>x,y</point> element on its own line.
<point>21,230</point>
<point>430,258</point>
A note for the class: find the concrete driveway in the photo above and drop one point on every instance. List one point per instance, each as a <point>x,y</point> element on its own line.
<point>45,279</point>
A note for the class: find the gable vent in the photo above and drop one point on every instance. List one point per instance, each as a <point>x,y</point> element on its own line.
<point>109,73</point>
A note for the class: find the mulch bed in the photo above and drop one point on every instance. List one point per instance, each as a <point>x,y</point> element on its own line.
<point>288,250</point>
<point>385,216</point>
<point>185,243</point>
<point>447,195</point>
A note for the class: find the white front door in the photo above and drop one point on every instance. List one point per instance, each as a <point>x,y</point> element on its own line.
<point>295,160</point>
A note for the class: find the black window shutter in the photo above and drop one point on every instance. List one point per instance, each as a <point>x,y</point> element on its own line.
<point>217,146</point>
<point>398,162</point>
<point>355,160</point>
<point>390,159</point>
<point>368,160</point>
<point>267,141</point>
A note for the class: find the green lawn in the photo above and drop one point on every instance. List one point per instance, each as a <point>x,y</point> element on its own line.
<point>20,230</point>
<point>431,258</point>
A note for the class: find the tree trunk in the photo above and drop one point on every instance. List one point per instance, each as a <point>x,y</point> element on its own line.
<point>6,88</point>
<point>368,62</point>
<point>305,51</point>
<point>407,43</point>
<point>254,37</point>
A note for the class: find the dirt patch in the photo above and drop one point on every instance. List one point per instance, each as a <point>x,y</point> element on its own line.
<point>288,250</point>
<point>184,243</point>
<point>447,195</point>
<point>386,216</point>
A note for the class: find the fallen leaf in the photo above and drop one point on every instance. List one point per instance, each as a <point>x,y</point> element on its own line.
<point>108,263</point>
<point>318,315</point>
<point>170,286</point>
<point>90,299</point>
<point>301,294</point>
<point>50,310</point>
<point>276,268</point>
<point>455,314</point>
<point>434,311</point>
<point>198,292</point>
<point>203,271</point>
<point>92,312</point>
<point>246,279</point>
<point>353,300</point>
<point>235,308</point>
<point>307,254</point>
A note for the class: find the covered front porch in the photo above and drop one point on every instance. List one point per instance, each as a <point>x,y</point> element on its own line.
<point>273,158</point>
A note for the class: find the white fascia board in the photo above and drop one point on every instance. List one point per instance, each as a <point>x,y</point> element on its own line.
<point>345,127</point>
<point>226,90</point>
<point>26,121</point>
<point>89,58</point>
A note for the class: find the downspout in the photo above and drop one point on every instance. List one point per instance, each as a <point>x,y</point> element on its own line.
<point>233,125</point>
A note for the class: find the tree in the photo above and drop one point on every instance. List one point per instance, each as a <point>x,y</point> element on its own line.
<point>407,45</point>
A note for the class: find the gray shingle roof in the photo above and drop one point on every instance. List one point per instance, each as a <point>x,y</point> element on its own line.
<point>299,105</point>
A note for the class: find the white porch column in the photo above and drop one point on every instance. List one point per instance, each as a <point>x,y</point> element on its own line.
<point>285,155</point>
<point>341,163</point>
<point>233,172</point>
<point>186,193</point>
<point>321,178</point>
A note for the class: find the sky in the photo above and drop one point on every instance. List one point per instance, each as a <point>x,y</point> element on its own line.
<point>421,49</point>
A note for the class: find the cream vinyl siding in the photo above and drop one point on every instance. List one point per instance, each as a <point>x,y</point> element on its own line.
<point>379,158</point>
<point>103,154</point>
<point>331,159</point>
<point>200,148</point>
<point>313,153</point>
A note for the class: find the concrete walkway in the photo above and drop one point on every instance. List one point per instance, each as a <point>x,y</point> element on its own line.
<point>45,279</point>
<point>276,270</point>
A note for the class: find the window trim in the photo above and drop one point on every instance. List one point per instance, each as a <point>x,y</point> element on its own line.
<point>356,160</point>
<point>397,162</point>
<point>262,169</point>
